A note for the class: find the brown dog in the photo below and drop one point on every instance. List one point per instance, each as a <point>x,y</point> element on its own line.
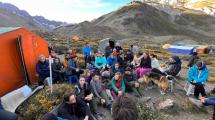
<point>163,84</point>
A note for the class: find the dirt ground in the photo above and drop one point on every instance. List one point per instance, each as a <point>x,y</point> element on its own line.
<point>183,109</point>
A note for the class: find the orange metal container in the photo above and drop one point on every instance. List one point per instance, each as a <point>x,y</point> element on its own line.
<point>11,68</point>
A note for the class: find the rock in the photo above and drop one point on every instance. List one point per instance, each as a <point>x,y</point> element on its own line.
<point>195,102</point>
<point>168,103</point>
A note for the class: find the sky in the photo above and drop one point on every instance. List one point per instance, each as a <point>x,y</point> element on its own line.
<point>71,11</point>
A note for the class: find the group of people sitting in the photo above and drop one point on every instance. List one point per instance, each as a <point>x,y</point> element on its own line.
<point>111,74</point>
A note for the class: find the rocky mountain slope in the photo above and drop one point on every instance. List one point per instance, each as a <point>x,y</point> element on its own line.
<point>13,11</point>
<point>137,19</point>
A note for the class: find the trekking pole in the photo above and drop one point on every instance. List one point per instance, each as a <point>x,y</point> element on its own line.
<point>50,72</point>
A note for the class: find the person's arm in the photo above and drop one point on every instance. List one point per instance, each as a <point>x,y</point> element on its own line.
<point>204,77</point>
<point>39,71</point>
<point>96,62</point>
<point>54,68</point>
<point>123,86</point>
<point>209,101</point>
<point>94,89</point>
<point>83,108</point>
<point>63,113</point>
<point>113,85</point>
<point>104,62</point>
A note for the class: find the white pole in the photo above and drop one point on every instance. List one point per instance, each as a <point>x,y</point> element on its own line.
<point>50,71</point>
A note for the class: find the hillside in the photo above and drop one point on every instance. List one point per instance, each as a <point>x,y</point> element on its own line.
<point>138,19</point>
<point>8,19</point>
<point>39,21</point>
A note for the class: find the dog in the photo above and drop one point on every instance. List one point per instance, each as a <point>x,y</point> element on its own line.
<point>163,84</point>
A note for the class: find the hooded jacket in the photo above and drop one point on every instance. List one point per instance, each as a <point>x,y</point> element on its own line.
<point>200,76</point>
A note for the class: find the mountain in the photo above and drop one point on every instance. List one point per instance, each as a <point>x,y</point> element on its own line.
<point>38,21</point>
<point>137,19</point>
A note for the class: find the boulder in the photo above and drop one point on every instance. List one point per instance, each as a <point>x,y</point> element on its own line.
<point>168,103</point>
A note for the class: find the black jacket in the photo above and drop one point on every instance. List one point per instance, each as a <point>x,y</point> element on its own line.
<point>68,111</point>
<point>145,63</point>
<point>83,92</point>
<point>42,69</point>
<point>129,80</point>
<point>56,69</point>
<point>173,68</point>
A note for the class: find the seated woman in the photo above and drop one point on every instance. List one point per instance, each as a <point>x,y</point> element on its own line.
<point>131,82</point>
<point>198,76</point>
<point>117,85</point>
<point>57,70</point>
<point>88,76</point>
<point>154,61</point>
<point>145,65</point>
<point>100,61</point>
<point>99,91</point>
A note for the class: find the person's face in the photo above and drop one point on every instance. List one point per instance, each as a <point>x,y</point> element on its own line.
<point>75,59</point>
<point>171,60</point>
<point>42,59</point>
<point>88,73</point>
<point>96,78</point>
<point>56,61</point>
<point>116,66</point>
<point>72,99</point>
<point>99,55</point>
<point>116,77</point>
<point>145,55</point>
<point>81,81</point>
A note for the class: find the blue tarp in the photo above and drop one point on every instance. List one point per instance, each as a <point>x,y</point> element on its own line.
<point>181,49</point>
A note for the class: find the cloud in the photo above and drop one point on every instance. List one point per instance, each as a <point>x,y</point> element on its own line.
<point>63,10</point>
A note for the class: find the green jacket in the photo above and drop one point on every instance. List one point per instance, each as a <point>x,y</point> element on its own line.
<point>113,85</point>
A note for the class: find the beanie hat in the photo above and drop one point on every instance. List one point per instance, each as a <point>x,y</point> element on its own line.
<point>176,59</point>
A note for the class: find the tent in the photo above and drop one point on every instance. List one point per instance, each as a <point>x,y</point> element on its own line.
<point>181,49</point>
<point>166,46</point>
<point>20,50</point>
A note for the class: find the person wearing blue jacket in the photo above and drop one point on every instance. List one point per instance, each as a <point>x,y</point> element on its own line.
<point>198,76</point>
<point>86,52</point>
<point>100,61</point>
<point>111,60</point>
<point>42,68</point>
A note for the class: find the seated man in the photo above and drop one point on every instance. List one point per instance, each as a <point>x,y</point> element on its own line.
<point>84,92</point>
<point>73,108</point>
<point>125,108</point>
<point>73,68</point>
<point>99,91</point>
<point>57,70</point>
<point>117,68</point>
<point>198,76</point>
<point>42,68</point>
<point>131,82</point>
